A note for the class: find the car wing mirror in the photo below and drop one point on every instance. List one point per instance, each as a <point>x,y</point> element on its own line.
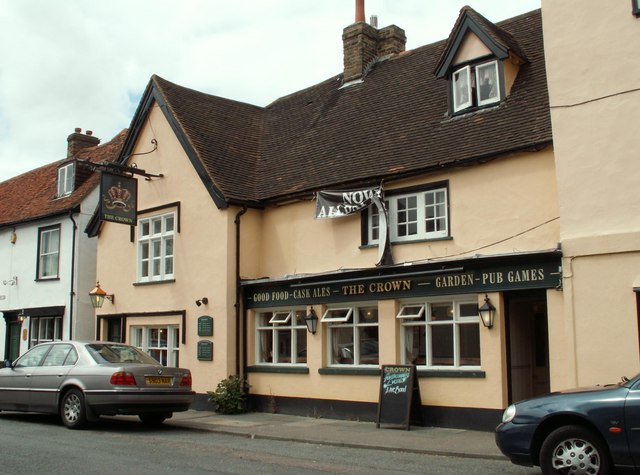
<point>6,364</point>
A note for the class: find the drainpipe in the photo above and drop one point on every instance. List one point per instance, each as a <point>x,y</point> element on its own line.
<point>237,304</point>
<point>73,273</point>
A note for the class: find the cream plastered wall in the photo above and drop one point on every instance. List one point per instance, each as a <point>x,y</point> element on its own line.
<point>594,94</point>
<point>497,207</point>
<point>593,89</point>
<point>471,48</point>
<point>204,262</point>
<point>437,391</point>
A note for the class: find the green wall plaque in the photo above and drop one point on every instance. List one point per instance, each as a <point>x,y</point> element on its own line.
<point>205,350</point>
<point>205,326</point>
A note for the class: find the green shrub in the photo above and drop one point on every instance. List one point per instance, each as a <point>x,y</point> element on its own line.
<point>230,397</point>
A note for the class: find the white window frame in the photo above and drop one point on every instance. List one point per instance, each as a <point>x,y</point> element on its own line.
<point>40,328</point>
<point>294,324</point>
<point>49,253</point>
<point>66,179</point>
<point>141,338</point>
<point>158,238</point>
<point>496,97</point>
<point>426,325</point>
<point>465,87</point>
<point>439,213</point>
<point>461,84</point>
<point>350,320</point>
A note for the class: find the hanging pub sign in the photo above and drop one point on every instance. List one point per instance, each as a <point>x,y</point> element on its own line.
<point>118,199</point>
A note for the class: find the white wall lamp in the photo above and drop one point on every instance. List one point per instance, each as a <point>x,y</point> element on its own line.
<point>98,295</point>
<point>487,312</point>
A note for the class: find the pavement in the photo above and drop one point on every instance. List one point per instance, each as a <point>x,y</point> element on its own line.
<point>342,433</point>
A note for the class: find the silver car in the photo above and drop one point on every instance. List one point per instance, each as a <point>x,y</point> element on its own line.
<point>84,380</point>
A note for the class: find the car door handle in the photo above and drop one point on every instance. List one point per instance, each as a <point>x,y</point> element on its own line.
<point>635,429</point>
<point>27,375</point>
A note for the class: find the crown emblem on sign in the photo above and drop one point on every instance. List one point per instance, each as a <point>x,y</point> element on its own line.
<point>119,195</point>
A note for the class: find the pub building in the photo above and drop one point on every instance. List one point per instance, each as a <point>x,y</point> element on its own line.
<point>403,212</point>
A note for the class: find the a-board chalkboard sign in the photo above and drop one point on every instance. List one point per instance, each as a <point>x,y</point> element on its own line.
<point>399,401</point>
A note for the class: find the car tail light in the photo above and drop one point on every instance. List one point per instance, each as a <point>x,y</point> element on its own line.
<point>123,378</point>
<point>186,380</point>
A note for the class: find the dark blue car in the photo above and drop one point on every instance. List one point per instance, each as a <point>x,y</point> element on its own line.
<point>581,431</point>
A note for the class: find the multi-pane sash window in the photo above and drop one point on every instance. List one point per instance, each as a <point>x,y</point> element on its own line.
<point>281,337</point>
<point>441,333</point>
<point>160,342</point>
<point>48,252</point>
<point>155,248</point>
<point>66,179</point>
<point>353,335</point>
<point>415,216</point>
<point>44,329</point>
<point>477,86</point>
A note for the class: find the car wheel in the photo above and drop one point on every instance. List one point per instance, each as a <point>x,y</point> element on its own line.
<point>574,450</point>
<point>152,419</point>
<point>72,409</point>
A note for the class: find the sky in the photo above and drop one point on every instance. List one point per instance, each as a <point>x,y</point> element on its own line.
<point>71,63</point>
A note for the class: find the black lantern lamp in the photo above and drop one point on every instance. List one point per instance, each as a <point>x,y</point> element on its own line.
<point>98,295</point>
<point>487,312</point>
<point>635,7</point>
<point>312,321</point>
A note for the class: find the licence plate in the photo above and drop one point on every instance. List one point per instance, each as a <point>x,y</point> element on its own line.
<point>159,381</point>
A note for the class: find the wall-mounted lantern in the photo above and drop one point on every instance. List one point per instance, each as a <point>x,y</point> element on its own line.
<point>98,295</point>
<point>487,312</point>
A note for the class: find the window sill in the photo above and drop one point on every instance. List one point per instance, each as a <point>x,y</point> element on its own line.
<point>47,279</point>
<point>393,243</point>
<point>155,282</point>
<point>351,371</point>
<point>450,373</point>
<point>278,369</point>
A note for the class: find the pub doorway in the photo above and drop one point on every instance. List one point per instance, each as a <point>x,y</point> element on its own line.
<point>527,344</point>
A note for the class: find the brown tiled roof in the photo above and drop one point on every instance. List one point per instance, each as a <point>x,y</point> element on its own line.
<point>32,195</point>
<point>394,124</point>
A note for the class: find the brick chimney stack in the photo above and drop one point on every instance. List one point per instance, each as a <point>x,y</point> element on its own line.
<point>363,44</point>
<point>77,140</point>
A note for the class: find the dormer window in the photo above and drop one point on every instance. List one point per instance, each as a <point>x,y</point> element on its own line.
<point>66,179</point>
<point>475,86</point>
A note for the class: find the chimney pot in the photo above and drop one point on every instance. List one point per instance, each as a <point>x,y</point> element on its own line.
<point>359,10</point>
<point>78,130</point>
<point>89,133</point>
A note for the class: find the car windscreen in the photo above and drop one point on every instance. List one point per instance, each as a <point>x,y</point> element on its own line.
<point>105,353</point>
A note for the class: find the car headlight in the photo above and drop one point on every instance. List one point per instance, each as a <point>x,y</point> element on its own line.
<point>509,413</point>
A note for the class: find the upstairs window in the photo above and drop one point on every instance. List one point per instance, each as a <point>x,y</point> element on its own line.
<point>66,179</point>
<point>48,253</point>
<point>413,216</point>
<point>475,86</point>
<point>155,248</point>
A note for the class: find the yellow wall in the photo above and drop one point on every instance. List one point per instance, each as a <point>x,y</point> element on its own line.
<point>488,204</point>
<point>204,265</point>
<point>593,90</point>
<point>504,198</point>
